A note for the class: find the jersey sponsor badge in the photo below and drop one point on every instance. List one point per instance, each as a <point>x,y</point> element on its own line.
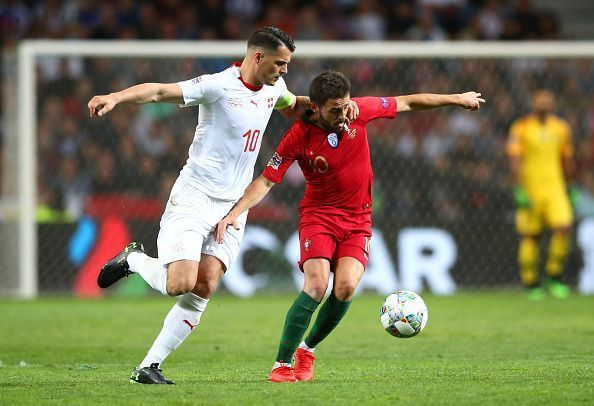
<point>275,161</point>
<point>235,102</point>
<point>385,102</point>
<point>197,79</point>
<point>333,140</point>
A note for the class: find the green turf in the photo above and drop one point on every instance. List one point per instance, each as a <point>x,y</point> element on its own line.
<point>479,348</point>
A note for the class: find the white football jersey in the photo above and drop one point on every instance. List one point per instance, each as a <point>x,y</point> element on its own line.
<point>232,118</point>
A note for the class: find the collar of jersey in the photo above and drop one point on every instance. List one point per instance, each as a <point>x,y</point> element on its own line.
<point>246,84</point>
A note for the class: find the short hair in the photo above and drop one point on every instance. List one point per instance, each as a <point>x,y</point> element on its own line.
<point>270,38</point>
<point>327,85</point>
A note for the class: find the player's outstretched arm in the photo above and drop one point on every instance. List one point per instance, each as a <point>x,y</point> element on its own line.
<point>139,94</point>
<point>254,193</point>
<point>425,101</point>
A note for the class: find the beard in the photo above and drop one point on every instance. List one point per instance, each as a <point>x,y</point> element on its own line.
<point>329,126</point>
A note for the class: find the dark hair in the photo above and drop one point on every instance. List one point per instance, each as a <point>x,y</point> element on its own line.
<point>270,38</point>
<point>329,84</point>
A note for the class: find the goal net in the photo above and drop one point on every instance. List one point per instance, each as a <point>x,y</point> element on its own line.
<point>76,190</point>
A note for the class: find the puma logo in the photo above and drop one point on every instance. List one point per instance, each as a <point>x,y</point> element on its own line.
<point>190,324</point>
<point>255,103</point>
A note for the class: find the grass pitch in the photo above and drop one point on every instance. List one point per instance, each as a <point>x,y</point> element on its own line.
<point>478,348</point>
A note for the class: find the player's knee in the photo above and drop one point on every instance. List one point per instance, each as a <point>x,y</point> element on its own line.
<point>530,237</point>
<point>344,290</point>
<point>317,290</point>
<point>205,288</point>
<point>181,277</point>
<point>562,230</point>
<point>179,284</point>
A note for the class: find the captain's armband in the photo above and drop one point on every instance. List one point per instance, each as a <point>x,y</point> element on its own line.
<point>286,101</point>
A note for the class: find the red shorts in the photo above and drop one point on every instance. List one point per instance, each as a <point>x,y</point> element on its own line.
<point>332,237</point>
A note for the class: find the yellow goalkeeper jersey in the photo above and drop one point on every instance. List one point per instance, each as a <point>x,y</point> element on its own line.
<point>541,145</point>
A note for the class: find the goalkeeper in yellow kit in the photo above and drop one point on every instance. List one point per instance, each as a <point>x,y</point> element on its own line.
<point>541,159</point>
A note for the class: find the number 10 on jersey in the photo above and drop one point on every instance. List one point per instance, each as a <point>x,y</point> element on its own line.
<point>251,140</point>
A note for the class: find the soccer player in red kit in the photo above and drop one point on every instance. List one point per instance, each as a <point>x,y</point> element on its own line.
<point>335,213</point>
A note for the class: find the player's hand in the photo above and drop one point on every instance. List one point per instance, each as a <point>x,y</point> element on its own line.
<point>222,227</point>
<point>521,198</point>
<point>101,105</point>
<point>352,111</point>
<point>574,195</point>
<point>471,100</point>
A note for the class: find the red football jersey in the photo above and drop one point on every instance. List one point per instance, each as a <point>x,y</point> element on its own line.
<point>337,167</point>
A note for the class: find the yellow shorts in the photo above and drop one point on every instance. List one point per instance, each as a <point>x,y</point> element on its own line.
<point>547,210</point>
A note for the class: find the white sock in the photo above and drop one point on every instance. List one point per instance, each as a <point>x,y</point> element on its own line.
<point>150,269</point>
<point>280,364</point>
<point>179,323</point>
<point>306,347</point>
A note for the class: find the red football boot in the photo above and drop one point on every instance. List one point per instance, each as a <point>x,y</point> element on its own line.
<point>304,365</point>
<point>282,374</point>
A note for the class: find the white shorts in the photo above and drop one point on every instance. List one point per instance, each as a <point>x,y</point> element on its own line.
<point>188,225</point>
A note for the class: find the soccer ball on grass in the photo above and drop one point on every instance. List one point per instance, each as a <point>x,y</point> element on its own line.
<point>404,314</point>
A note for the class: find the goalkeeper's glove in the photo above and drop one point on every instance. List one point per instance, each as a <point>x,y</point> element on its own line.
<point>574,195</point>
<point>521,197</point>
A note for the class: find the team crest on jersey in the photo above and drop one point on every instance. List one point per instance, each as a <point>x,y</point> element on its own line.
<point>275,161</point>
<point>307,244</point>
<point>333,140</point>
<point>385,102</point>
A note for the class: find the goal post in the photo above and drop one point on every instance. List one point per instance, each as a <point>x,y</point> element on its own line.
<point>25,137</point>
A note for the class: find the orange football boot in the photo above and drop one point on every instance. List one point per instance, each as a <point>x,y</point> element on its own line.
<point>282,374</point>
<point>304,365</point>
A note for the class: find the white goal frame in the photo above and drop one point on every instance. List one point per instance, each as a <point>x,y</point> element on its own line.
<point>28,51</point>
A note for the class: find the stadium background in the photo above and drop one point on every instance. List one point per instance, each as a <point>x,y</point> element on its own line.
<point>102,183</point>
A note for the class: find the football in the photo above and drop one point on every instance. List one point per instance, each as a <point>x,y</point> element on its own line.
<point>404,314</point>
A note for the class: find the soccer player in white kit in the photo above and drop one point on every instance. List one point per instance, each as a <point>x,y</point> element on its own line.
<point>235,107</point>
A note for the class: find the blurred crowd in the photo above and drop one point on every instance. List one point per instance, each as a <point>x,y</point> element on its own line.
<point>447,164</point>
<point>433,165</point>
<point>304,20</point>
